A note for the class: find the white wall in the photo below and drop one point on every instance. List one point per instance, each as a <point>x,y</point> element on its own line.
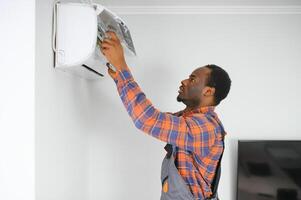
<point>62,111</point>
<point>88,148</point>
<point>17,100</point>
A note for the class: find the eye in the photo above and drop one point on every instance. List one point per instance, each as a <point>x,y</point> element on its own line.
<point>191,79</point>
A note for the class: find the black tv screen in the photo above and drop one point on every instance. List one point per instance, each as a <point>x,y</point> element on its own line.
<point>269,170</point>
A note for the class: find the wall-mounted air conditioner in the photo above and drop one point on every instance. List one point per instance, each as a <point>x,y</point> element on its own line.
<point>76,27</point>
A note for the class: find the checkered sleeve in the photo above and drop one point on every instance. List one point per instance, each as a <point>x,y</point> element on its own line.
<point>190,133</point>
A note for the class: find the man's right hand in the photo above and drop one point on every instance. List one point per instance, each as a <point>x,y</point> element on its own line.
<point>112,49</point>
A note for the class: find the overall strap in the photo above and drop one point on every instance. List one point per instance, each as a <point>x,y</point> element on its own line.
<point>215,181</point>
<point>170,149</point>
<point>217,176</point>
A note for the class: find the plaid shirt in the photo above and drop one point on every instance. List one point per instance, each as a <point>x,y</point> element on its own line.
<point>197,135</point>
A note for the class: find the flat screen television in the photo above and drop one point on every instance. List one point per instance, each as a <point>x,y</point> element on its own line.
<point>269,170</point>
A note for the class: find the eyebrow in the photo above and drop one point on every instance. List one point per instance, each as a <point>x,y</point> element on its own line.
<point>193,76</point>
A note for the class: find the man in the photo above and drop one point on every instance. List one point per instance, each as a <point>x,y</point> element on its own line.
<point>195,135</point>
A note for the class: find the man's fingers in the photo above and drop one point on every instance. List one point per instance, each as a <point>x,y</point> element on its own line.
<point>108,41</point>
<point>106,45</point>
<point>102,51</point>
<point>104,48</point>
<point>112,35</point>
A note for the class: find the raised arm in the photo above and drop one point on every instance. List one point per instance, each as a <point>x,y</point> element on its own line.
<point>190,133</point>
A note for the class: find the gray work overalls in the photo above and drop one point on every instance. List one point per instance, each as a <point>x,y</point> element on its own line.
<point>173,185</point>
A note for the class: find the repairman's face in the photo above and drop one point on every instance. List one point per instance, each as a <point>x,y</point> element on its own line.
<point>191,89</point>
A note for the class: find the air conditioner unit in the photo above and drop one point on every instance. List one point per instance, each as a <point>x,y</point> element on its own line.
<point>76,27</point>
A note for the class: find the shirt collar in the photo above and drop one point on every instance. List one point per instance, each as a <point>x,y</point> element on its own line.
<point>203,110</point>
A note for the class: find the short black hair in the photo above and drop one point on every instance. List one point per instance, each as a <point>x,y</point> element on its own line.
<point>220,80</point>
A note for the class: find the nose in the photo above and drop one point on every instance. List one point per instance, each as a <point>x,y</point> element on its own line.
<point>184,82</point>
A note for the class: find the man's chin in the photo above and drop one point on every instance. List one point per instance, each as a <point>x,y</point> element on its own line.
<point>179,98</point>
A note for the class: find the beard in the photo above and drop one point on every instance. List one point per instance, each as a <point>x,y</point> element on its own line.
<point>188,102</point>
<point>179,99</point>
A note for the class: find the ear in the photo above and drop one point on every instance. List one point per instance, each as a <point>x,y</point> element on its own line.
<point>208,91</point>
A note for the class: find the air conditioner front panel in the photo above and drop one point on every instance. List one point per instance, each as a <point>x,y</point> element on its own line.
<point>76,33</point>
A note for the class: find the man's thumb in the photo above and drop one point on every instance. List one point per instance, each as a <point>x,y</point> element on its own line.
<point>111,72</point>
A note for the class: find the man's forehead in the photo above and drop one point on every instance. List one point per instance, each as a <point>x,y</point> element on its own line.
<point>201,72</point>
